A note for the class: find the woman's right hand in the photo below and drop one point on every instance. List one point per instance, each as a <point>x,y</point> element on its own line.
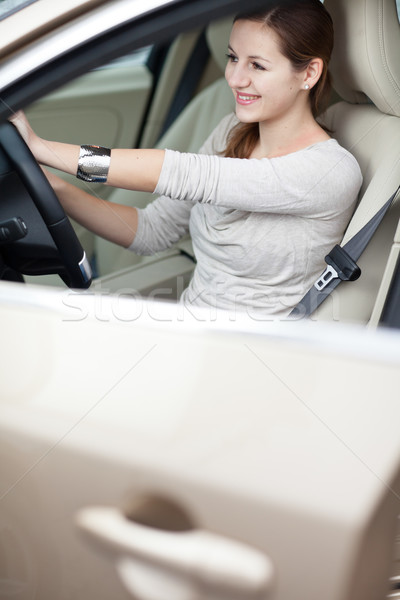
<point>22,124</point>
<point>51,154</point>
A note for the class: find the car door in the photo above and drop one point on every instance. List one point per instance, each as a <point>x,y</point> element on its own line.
<point>146,455</point>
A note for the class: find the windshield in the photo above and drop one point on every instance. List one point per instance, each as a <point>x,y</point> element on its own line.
<point>8,7</point>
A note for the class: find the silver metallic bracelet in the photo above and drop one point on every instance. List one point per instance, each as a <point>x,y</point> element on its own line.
<point>93,163</point>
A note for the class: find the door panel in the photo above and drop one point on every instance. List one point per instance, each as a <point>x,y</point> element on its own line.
<point>114,408</point>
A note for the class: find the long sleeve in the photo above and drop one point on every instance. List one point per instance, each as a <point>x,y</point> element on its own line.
<point>166,220</point>
<point>160,225</point>
<point>284,185</point>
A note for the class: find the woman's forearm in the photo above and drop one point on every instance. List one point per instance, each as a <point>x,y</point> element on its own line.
<point>114,222</point>
<point>63,157</point>
<point>129,169</point>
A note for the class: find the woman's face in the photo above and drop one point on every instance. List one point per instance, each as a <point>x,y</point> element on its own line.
<point>263,81</point>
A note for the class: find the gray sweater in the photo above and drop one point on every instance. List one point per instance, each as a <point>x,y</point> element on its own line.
<point>260,227</point>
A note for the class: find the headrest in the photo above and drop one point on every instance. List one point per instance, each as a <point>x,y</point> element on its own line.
<point>366,57</point>
<point>217,35</point>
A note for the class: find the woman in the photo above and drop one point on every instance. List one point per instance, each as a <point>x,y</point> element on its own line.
<point>268,195</point>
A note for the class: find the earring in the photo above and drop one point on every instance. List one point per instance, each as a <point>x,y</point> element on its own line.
<point>306,87</point>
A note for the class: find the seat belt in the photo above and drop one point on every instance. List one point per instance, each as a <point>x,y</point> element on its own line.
<point>341,264</point>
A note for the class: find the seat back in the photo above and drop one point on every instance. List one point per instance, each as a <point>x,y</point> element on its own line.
<point>186,134</point>
<point>366,74</point>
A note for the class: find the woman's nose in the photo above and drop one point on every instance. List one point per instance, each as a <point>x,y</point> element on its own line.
<point>237,76</point>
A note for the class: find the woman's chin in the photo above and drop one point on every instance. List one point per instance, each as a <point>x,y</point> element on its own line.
<point>245,115</point>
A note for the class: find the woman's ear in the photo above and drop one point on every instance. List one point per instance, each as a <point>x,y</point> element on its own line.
<point>313,72</point>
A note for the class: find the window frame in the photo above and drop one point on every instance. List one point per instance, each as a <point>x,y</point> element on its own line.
<point>143,28</point>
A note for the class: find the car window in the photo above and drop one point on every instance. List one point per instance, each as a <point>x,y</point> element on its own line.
<point>137,57</point>
<point>8,7</point>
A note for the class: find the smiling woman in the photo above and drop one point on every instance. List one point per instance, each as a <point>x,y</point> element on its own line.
<point>294,58</point>
<point>260,227</point>
<point>143,445</point>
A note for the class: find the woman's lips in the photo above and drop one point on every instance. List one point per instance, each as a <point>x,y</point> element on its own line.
<point>246,99</point>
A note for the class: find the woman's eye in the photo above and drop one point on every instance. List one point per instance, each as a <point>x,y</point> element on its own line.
<point>231,57</point>
<point>258,67</point>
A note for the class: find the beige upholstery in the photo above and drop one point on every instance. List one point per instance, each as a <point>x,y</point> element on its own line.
<point>366,71</point>
<point>365,63</point>
<point>186,134</point>
<point>217,36</point>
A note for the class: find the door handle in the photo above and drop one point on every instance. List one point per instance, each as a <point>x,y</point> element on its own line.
<point>195,560</point>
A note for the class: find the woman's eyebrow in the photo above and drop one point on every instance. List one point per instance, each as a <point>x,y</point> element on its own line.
<point>260,58</point>
<point>253,57</point>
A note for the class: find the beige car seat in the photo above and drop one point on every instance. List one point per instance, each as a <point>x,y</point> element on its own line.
<point>186,134</point>
<point>366,72</point>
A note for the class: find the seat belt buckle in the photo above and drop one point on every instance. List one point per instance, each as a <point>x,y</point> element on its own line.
<point>340,265</point>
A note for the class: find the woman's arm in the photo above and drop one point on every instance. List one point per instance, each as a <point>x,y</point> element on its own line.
<point>318,182</point>
<point>129,169</point>
<point>114,222</point>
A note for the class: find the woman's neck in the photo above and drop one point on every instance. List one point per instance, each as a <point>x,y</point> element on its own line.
<point>281,138</point>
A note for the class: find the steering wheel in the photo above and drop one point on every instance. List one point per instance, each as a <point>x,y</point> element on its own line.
<point>36,237</point>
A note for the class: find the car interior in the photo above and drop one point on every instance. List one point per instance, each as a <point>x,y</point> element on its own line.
<point>173,95</point>
<point>129,100</point>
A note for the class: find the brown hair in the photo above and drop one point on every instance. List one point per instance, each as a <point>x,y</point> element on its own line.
<point>305,31</point>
